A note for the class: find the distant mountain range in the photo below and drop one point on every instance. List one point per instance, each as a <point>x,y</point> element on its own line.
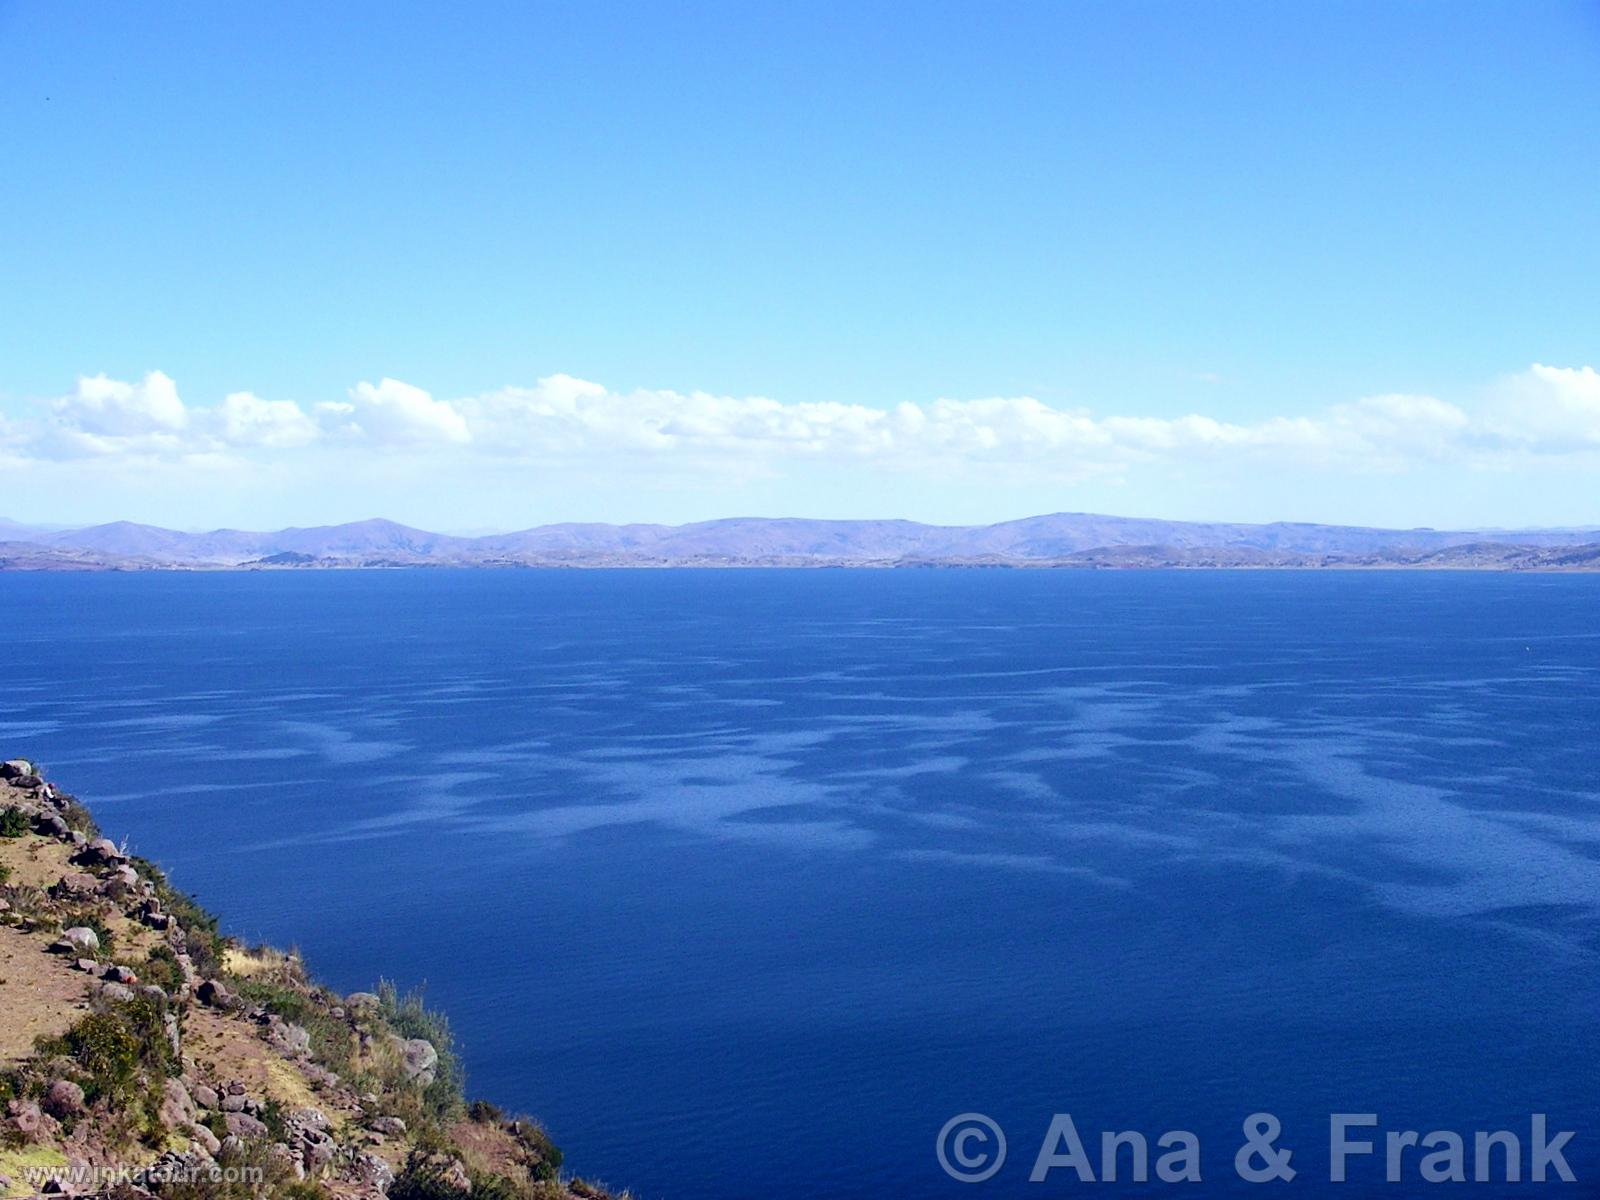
<point>1061,539</point>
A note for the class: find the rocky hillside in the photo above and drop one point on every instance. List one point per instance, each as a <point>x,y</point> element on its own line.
<point>144,1055</point>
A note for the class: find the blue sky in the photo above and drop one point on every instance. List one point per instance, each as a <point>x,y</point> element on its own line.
<point>957,262</point>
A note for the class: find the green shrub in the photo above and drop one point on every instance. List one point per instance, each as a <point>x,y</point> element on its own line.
<point>77,817</point>
<point>410,1018</point>
<point>161,968</point>
<point>427,1178</point>
<point>497,1187</point>
<point>106,1051</point>
<point>30,904</point>
<point>541,1156</point>
<point>146,1017</point>
<point>331,1043</point>
<point>5,876</point>
<point>14,823</point>
<point>247,1171</point>
<point>203,941</point>
<point>423,1180</point>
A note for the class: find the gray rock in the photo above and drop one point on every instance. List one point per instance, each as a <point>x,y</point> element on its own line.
<point>199,1133</point>
<point>116,993</point>
<point>289,1159</point>
<point>177,1109</point>
<point>102,852</point>
<point>63,1099</point>
<point>418,1060</point>
<point>26,1118</point>
<point>82,939</point>
<point>372,1173</point>
<point>76,885</point>
<point>205,1096</point>
<point>291,1039</point>
<point>318,1152</point>
<point>214,994</point>
<point>233,1104</point>
<point>242,1125</point>
<point>388,1126</point>
<point>16,768</point>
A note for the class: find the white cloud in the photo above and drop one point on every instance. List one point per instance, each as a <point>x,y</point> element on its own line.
<point>1548,408</point>
<point>397,414</point>
<point>245,419</point>
<point>1543,411</point>
<point>102,407</point>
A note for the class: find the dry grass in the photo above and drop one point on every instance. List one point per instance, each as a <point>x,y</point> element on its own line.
<point>39,994</point>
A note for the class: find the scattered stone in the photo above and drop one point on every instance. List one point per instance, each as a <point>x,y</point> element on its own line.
<point>116,993</point>
<point>177,1108</point>
<point>290,1039</point>
<point>388,1126</point>
<point>418,1060</point>
<point>63,1099</point>
<point>82,940</point>
<point>16,768</point>
<point>119,974</point>
<point>199,1133</point>
<point>88,966</point>
<point>318,1075</point>
<point>26,1118</point>
<point>205,1096</point>
<point>362,1002</point>
<point>214,994</point>
<point>233,1104</point>
<point>242,1125</point>
<point>371,1173</point>
<point>76,885</point>
<point>102,852</point>
<point>289,1159</point>
<point>451,1172</point>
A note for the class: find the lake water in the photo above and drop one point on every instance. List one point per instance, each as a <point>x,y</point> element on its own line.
<point>746,881</point>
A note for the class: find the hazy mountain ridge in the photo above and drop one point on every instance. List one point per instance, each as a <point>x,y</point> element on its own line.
<point>1070,539</point>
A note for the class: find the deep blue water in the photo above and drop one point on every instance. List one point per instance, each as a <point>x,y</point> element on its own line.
<point>745,882</point>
